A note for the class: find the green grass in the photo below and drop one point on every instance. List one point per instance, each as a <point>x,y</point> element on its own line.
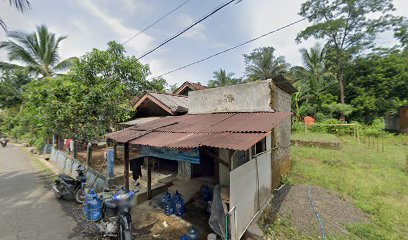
<point>375,181</point>
<point>313,136</point>
<point>41,167</point>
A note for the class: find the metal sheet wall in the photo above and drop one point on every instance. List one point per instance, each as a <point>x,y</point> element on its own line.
<point>250,187</point>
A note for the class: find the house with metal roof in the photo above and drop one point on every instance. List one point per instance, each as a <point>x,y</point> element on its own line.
<point>239,136</point>
<point>187,87</point>
<point>152,105</point>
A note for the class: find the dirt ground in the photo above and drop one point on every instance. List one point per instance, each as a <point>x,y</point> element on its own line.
<point>150,222</point>
<point>292,203</point>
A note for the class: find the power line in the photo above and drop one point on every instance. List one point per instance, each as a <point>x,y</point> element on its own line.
<point>229,49</point>
<point>188,28</point>
<point>157,21</point>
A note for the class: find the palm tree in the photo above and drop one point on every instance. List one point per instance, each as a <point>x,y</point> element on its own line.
<point>37,51</point>
<point>312,79</point>
<point>20,5</point>
<point>262,64</point>
<point>222,78</point>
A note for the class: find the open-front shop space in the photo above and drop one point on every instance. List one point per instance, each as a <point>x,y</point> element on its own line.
<point>237,166</point>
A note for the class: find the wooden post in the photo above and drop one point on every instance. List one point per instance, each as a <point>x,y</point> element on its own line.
<point>382,144</point>
<point>74,150</point>
<point>126,170</point>
<point>115,151</point>
<point>149,178</point>
<point>358,134</point>
<point>89,154</point>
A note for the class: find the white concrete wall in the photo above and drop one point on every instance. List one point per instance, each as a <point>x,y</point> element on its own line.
<point>248,97</point>
<point>283,100</point>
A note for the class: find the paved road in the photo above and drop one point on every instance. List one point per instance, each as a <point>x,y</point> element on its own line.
<point>28,209</point>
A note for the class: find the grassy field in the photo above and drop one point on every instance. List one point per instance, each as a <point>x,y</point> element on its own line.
<point>373,177</point>
<point>312,136</point>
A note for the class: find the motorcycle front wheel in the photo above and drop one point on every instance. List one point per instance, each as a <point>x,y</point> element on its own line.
<point>124,234</point>
<point>80,195</point>
<point>58,195</point>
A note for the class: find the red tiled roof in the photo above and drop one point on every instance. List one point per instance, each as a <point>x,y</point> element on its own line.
<point>237,131</point>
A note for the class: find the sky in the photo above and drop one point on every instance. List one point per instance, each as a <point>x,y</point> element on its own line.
<point>92,23</point>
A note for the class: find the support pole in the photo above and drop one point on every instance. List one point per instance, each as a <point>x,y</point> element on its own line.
<point>115,151</point>
<point>89,154</point>
<point>149,178</point>
<point>74,150</point>
<point>126,170</point>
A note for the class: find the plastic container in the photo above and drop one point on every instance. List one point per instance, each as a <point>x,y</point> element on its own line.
<point>184,237</point>
<point>169,206</point>
<point>193,234</point>
<point>166,197</point>
<point>178,204</point>
<point>92,207</point>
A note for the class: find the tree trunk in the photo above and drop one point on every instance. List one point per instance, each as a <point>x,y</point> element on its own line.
<point>341,87</point>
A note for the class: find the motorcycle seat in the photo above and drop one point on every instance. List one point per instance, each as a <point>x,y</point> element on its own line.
<point>66,178</point>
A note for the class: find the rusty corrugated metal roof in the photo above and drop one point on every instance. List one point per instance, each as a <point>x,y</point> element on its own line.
<point>236,141</point>
<point>125,135</point>
<point>237,131</point>
<point>222,122</point>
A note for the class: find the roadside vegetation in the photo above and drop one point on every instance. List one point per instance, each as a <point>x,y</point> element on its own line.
<point>372,177</point>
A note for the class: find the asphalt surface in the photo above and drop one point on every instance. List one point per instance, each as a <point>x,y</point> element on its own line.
<point>28,209</point>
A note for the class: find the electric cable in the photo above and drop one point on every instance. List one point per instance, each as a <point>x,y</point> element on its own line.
<point>188,28</point>
<point>155,22</point>
<point>228,49</point>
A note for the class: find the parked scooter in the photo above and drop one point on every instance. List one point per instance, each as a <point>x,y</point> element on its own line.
<point>3,142</point>
<point>117,221</point>
<point>66,185</point>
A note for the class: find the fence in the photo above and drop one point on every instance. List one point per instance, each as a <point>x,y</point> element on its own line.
<point>69,166</point>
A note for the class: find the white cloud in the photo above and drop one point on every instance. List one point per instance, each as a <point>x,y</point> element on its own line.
<point>143,42</point>
<point>197,32</point>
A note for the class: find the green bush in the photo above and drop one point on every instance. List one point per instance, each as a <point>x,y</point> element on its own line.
<point>298,127</point>
<point>376,129</point>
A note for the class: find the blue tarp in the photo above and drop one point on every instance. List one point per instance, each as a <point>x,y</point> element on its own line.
<point>191,155</point>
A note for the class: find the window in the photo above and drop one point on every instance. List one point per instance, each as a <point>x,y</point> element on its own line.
<point>259,147</point>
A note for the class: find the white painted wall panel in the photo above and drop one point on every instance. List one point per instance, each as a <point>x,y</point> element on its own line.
<point>250,188</point>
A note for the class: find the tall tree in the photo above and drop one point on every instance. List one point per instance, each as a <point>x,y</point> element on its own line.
<point>101,85</point>
<point>222,78</point>
<point>348,26</point>
<point>262,64</point>
<point>313,80</point>
<point>379,84</point>
<point>11,87</point>
<point>38,51</point>
<point>401,32</point>
<point>20,5</point>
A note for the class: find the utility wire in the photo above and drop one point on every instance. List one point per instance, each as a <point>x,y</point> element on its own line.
<point>157,21</point>
<point>188,28</point>
<point>229,49</point>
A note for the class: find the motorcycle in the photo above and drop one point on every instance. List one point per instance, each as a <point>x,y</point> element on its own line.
<point>3,142</point>
<point>116,220</point>
<point>66,185</point>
